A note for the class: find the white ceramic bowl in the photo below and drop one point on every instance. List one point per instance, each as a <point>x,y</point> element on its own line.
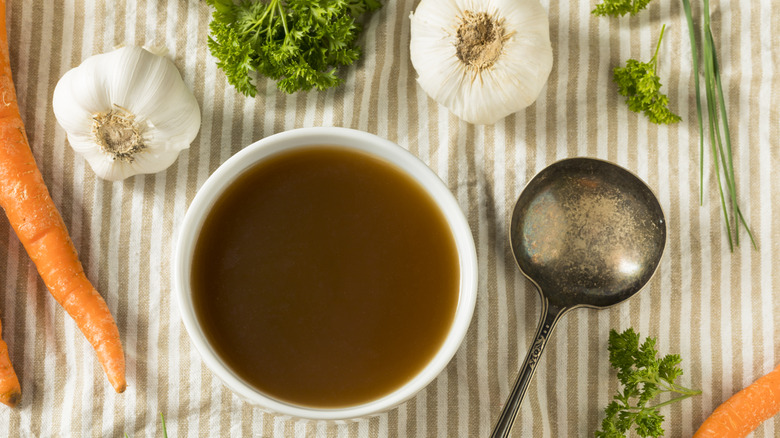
<point>359,141</point>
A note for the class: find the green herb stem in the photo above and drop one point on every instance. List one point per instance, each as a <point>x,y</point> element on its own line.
<point>717,100</point>
<point>282,16</point>
<point>715,141</point>
<point>654,61</point>
<point>637,409</point>
<point>700,118</point>
<point>672,387</point>
<point>676,399</point>
<point>729,154</point>
<point>271,9</point>
<point>668,386</point>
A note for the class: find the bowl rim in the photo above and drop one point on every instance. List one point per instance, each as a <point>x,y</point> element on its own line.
<point>351,139</point>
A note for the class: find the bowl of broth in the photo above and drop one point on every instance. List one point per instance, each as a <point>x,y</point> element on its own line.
<point>325,273</point>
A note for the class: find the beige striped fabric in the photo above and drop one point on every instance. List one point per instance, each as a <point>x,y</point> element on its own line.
<point>719,310</point>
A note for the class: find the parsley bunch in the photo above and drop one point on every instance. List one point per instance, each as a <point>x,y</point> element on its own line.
<point>298,43</point>
<point>643,377</point>
<point>619,7</point>
<point>641,86</point>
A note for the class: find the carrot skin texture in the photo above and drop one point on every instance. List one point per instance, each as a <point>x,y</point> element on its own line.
<point>40,228</point>
<point>745,410</point>
<point>10,391</point>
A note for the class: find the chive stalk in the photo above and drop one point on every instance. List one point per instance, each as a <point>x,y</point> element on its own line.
<point>718,128</point>
<point>695,55</point>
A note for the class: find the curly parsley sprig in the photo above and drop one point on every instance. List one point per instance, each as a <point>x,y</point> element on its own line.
<point>644,377</point>
<point>298,43</point>
<point>642,88</point>
<point>619,7</point>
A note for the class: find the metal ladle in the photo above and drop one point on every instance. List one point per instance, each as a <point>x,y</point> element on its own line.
<point>587,233</point>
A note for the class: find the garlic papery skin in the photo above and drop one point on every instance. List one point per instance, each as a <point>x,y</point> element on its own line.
<point>127,112</point>
<point>482,59</point>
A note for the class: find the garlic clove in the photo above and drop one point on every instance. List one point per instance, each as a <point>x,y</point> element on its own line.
<point>76,99</point>
<point>145,84</point>
<point>127,112</point>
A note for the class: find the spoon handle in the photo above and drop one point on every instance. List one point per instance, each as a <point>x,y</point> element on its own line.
<point>549,318</point>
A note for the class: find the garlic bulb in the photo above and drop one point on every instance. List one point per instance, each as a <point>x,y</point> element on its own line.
<point>482,59</point>
<point>127,112</point>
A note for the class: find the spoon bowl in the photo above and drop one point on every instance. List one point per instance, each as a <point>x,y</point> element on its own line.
<point>587,233</point>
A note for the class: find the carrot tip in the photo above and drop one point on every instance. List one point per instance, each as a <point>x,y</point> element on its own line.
<point>11,399</point>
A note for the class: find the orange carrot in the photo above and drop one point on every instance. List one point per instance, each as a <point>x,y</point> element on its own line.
<point>40,228</point>
<point>745,410</point>
<point>10,392</point>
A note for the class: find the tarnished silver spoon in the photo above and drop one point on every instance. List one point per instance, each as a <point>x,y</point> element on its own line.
<point>587,233</point>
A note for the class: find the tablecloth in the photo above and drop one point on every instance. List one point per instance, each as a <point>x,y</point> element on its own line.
<point>719,310</point>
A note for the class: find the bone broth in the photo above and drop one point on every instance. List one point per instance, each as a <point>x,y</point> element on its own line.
<point>325,277</point>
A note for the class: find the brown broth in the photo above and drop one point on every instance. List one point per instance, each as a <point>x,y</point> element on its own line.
<point>325,277</point>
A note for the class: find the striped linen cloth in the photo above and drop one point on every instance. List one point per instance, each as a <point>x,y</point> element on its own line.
<point>718,310</point>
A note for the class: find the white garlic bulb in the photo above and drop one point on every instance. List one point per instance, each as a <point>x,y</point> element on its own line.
<point>482,59</point>
<point>127,112</point>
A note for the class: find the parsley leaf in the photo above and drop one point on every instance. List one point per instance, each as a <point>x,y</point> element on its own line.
<point>620,7</point>
<point>298,43</point>
<point>641,86</point>
<point>643,377</point>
